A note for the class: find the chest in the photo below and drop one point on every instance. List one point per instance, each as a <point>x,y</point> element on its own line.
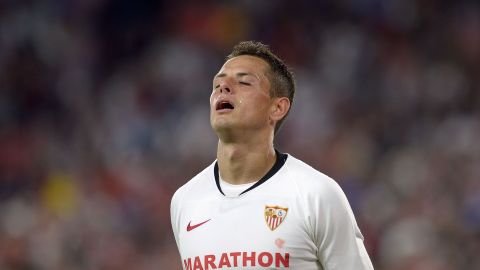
<point>264,232</point>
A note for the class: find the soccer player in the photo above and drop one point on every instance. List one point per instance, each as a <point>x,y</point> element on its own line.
<point>255,207</point>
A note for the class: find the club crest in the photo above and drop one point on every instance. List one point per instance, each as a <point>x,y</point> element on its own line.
<point>274,216</point>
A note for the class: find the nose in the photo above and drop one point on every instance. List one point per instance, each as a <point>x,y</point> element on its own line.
<point>224,85</point>
<point>224,89</point>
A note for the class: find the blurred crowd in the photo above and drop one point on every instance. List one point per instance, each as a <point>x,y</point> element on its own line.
<point>104,113</point>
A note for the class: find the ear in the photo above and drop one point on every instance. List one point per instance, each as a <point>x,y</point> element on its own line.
<point>280,107</point>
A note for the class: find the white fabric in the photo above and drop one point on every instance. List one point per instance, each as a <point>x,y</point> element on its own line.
<point>231,190</point>
<point>318,231</point>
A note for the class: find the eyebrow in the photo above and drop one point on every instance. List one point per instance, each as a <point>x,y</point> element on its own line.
<point>239,74</point>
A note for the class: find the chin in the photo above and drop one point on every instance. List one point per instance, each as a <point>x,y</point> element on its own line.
<point>222,127</point>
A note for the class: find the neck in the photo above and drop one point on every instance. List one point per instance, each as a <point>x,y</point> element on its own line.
<point>244,162</point>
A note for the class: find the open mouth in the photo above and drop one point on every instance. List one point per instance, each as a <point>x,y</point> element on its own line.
<point>224,105</point>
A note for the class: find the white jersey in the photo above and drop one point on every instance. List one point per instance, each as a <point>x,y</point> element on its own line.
<point>295,217</point>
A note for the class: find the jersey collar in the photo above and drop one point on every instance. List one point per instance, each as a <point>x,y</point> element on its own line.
<point>281,158</point>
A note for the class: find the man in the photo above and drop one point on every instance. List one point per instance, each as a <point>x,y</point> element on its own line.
<point>254,207</point>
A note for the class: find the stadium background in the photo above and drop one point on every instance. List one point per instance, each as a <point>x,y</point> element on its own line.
<point>104,113</point>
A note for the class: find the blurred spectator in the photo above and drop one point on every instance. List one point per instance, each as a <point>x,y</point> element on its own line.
<point>104,113</point>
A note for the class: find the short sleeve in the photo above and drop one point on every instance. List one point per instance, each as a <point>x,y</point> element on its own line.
<point>338,238</point>
<point>174,215</point>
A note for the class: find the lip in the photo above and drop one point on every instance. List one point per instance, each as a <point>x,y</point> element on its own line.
<point>224,100</point>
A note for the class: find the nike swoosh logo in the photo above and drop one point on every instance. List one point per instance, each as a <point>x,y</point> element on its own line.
<point>191,227</point>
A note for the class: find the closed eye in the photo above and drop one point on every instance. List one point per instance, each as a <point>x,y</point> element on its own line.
<point>245,83</point>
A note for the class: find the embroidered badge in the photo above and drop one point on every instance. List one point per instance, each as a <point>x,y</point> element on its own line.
<point>274,216</point>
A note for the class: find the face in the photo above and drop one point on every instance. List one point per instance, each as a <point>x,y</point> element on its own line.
<point>241,95</point>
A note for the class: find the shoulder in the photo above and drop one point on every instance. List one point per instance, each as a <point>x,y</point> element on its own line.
<point>314,186</point>
<point>197,185</point>
<point>309,178</point>
<point>323,197</point>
